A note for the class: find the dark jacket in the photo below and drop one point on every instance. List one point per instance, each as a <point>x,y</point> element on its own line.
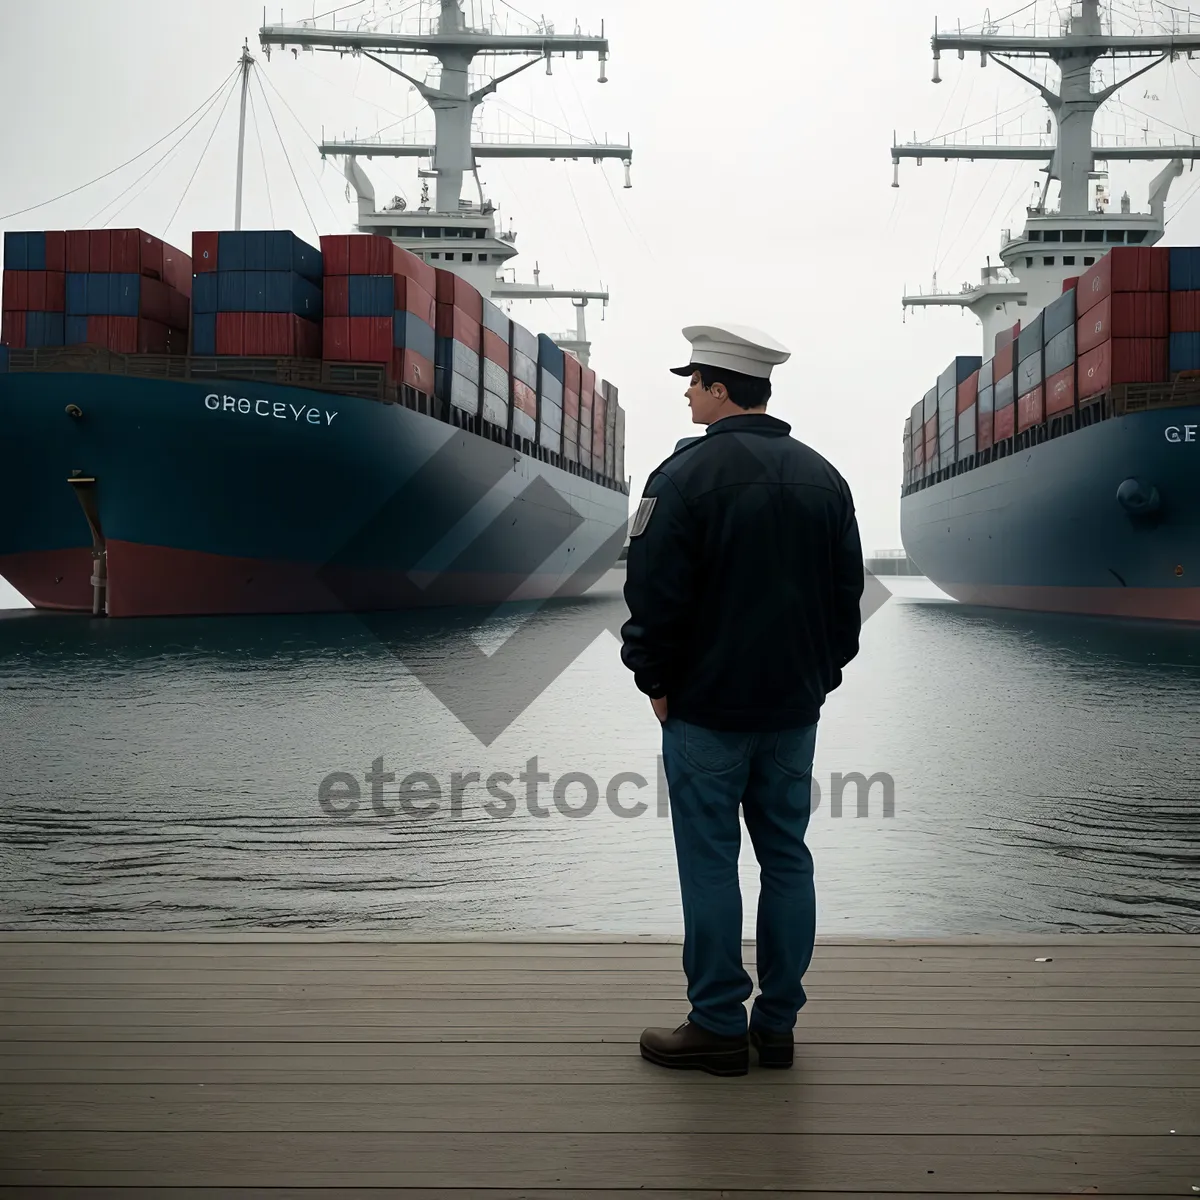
<point>744,584</point>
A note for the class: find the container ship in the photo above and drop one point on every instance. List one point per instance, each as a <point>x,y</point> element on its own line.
<point>1059,470</point>
<point>265,425</point>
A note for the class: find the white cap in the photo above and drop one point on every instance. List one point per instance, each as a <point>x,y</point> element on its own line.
<point>734,348</point>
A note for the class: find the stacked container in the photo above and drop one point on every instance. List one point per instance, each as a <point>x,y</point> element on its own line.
<point>1004,407</point>
<point>916,420</point>
<point>524,383</point>
<point>1058,333</point>
<point>968,415</point>
<point>930,425</point>
<point>611,404</point>
<point>575,378</point>
<point>459,346</point>
<point>256,293</point>
<point>551,373</point>
<point>949,382</point>
<point>619,474</point>
<point>1123,320</point>
<point>985,405</point>
<point>908,453</point>
<point>1185,309</point>
<point>33,297</point>
<point>587,415</point>
<point>497,354</point>
<point>599,425</point>
<point>1030,370</point>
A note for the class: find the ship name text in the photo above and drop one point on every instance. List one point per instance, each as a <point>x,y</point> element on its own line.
<point>279,409</point>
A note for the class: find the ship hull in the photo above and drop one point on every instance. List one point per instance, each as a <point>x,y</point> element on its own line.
<point>1043,529</point>
<point>222,497</point>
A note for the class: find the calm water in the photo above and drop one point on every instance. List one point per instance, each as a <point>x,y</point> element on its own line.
<point>164,775</point>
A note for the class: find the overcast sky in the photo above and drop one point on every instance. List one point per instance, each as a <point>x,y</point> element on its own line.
<point>761,171</point>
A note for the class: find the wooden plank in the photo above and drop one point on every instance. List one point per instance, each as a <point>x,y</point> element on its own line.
<point>641,1106</point>
<point>190,1193</point>
<point>981,1163</point>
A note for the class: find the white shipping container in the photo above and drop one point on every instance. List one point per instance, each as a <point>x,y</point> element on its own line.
<point>524,425</point>
<point>495,409</point>
<point>464,394</point>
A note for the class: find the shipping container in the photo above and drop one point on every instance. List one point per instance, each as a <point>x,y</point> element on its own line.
<point>967,424</point>
<point>524,398</point>
<point>523,425</point>
<point>495,409</point>
<point>1184,268</point>
<point>550,357</point>
<point>463,393</point>
<point>1060,351</point>
<point>1060,392</point>
<point>1185,312</point>
<point>524,342</point>
<point>1184,349</point>
<point>1030,339</point>
<point>25,252</point>
<point>78,251</point>
<point>1122,360</point>
<point>966,448</point>
<point>524,369</point>
<point>1123,269</point>
<point>986,377</point>
<point>409,332</point>
<point>968,391</point>
<point>204,333</point>
<point>458,359</point>
<point>573,376</point>
<point>1124,315</point>
<point>12,330</point>
<point>496,321</point>
<point>1029,374</point>
<point>495,349</point>
<point>495,378</point>
<point>371,295</point>
<point>1070,283</point>
<point>1004,393</point>
<point>1006,337</point>
<point>1031,409</point>
<point>957,371</point>
<point>983,425</point>
<point>43,329</point>
<point>204,252</point>
<point>3,359</point>
<point>456,324</point>
<point>231,334</point>
<point>455,292</point>
<point>930,407</point>
<point>414,369</point>
<point>1004,422</point>
<point>1058,316</point>
<point>571,404</point>
<point>1004,360</point>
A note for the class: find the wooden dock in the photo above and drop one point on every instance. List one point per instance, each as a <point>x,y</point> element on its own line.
<point>252,1065</point>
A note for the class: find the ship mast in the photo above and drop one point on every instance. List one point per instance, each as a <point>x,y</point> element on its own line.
<point>246,63</point>
<point>1071,161</point>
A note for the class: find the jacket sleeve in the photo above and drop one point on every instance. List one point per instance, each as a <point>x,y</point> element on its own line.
<point>660,586</point>
<point>848,583</point>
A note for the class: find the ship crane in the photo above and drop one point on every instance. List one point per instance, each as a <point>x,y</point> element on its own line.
<point>456,234</point>
<point>1057,244</point>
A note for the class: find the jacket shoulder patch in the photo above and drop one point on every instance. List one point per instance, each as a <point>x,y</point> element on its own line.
<point>642,517</point>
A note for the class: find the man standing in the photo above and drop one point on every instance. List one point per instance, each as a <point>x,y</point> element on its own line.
<point>745,576</point>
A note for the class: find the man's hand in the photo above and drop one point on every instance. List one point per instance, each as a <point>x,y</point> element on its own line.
<point>660,708</point>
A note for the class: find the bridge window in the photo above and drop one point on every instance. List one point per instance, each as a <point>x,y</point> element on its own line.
<point>1048,261</point>
<point>1093,235</point>
<point>468,258</point>
<point>1035,235</point>
<point>1029,262</point>
<point>1072,235</point>
<point>1053,235</point>
<point>1114,235</point>
<point>449,255</point>
<point>1068,260</point>
<point>483,258</point>
<point>1135,236</point>
<point>1088,260</point>
<point>435,254</point>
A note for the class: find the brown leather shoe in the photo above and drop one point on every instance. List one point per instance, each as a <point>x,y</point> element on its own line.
<point>691,1048</point>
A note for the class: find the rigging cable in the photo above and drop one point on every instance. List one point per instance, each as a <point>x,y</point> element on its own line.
<point>203,152</point>
<point>80,188</point>
<point>288,157</point>
<point>162,160</point>
<point>262,157</point>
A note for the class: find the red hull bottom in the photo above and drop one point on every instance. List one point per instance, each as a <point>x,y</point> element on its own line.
<point>1151,604</point>
<point>157,581</point>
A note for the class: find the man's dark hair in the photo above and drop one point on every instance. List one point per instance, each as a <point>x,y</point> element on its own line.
<point>746,391</point>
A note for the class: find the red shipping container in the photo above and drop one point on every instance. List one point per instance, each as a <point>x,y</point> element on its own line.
<point>1185,312</point>
<point>1124,314</point>
<point>416,269</point>
<point>136,252</point>
<point>1031,409</point>
<point>1068,284</point>
<point>1060,392</point>
<point>1003,362</point>
<point>335,338</point>
<point>371,339</point>
<point>97,331</point>
<point>78,250</point>
<point>154,303</point>
<point>495,349</point>
<point>335,254</point>
<point>100,250</point>
<point>571,404</point>
<point>1006,337</point>
<point>231,333</point>
<point>56,291</point>
<point>178,309</point>
<point>968,392</point>
<point>12,330</point>
<point>254,334</point>
<point>457,292</point>
<point>131,335</point>
<point>588,385</point>
<point>524,397</point>
<point>35,282</point>
<point>362,254</point>
<point>413,369</point>
<point>1123,269</point>
<point>204,252</point>
<point>413,297</point>
<point>56,250</point>
<point>456,323</point>
<point>336,300</point>
<point>1122,360</point>
<point>983,430</point>
<point>572,372</point>
<point>15,291</point>
<point>177,270</point>
<point>1003,420</point>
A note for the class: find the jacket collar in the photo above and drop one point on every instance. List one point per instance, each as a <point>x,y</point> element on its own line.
<point>750,423</point>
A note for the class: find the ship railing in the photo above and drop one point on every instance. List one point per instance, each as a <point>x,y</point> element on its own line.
<point>365,380</point>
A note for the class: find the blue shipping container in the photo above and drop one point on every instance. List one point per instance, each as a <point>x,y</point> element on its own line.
<point>256,291</point>
<point>43,329</point>
<point>290,292</point>
<point>231,251</point>
<point>75,331</point>
<point>124,296</point>
<point>372,295</point>
<point>1185,271</point>
<point>77,294</point>
<point>411,333</point>
<point>231,291</point>
<point>204,292</point>
<point>1185,351</point>
<point>24,251</point>
<point>204,333</point>
<point>286,252</point>
<point>550,357</point>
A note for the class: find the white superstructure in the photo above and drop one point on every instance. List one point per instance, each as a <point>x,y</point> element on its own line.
<point>452,232</point>
<point>1060,242</point>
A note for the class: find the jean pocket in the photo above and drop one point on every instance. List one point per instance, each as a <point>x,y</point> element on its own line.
<point>795,750</point>
<point>712,751</point>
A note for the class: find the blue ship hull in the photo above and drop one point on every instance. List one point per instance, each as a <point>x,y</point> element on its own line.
<point>1043,529</point>
<point>235,497</point>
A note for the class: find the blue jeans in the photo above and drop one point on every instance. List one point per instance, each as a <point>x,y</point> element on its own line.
<point>769,775</point>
